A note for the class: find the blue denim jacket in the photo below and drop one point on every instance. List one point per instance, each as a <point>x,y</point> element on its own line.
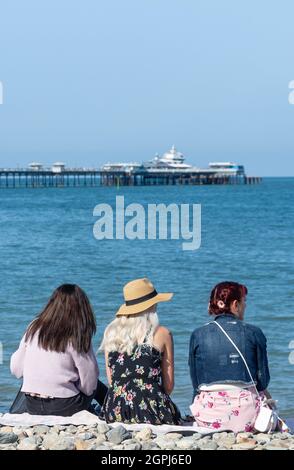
<point>213,359</point>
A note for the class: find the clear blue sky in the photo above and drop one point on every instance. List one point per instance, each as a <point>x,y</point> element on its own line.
<point>92,81</point>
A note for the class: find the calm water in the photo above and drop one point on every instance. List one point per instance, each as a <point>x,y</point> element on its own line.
<point>47,239</point>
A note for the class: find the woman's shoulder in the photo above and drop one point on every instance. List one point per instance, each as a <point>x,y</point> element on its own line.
<point>162,331</point>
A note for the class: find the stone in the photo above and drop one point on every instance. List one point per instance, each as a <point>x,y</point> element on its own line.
<point>65,443</point>
<point>210,445</point>
<point>186,443</point>
<point>8,438</point>
<point>173,435</point>
<point>219,435</point>
<point>278,444</point>
<point>86,436</point>
<point>83,445</point>
<point>29,443</point>
<point>226,442</point>
<point>8,446</point>
<point>243,435</point>
<point>245,440</point>
<point>100,439</point>
<point>144,434</point>
<point>42,429</point>
<point>151,445</point>
<point>4,429</point>
<point>262,438</point>
<point>118,447</point>
<point>118,435</point>
<point>245,445</point>
<point>50,440</point>
<point>165,444</point>
<point>103,428</point>
<point>19,430</point>
<point>196,436</point>
<point>136,446</point>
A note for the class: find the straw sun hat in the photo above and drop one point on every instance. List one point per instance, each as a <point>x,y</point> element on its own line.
<point>139,295</point>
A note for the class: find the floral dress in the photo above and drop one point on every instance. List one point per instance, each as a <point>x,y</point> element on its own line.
<point>137,394</point>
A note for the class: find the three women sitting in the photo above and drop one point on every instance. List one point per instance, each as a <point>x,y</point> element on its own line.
<point>60,371</point>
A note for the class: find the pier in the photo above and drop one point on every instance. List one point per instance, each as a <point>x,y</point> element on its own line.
<point>47,178</point>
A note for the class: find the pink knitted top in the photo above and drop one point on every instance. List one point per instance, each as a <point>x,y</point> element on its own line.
<point>59,375</point>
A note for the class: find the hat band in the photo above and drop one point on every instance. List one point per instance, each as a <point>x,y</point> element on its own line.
<point>141,299</point>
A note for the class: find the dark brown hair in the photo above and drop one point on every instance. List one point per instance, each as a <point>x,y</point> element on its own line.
<point>67,319</point>
<point>222,296</point>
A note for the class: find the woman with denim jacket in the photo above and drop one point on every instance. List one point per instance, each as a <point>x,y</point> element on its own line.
<point>224,395</point>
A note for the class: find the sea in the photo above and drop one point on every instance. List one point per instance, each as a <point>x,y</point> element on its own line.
<point>247,235</point>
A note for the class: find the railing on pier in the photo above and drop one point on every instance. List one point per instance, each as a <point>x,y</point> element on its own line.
<point>26,178</point>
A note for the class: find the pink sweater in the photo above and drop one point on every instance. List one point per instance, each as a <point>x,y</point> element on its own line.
<point>59,375</point>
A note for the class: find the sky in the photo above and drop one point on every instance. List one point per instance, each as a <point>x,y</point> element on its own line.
<point>88,82</point>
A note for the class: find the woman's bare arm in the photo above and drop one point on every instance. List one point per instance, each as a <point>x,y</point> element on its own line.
<point>163,340</point>
<point>108,370</point>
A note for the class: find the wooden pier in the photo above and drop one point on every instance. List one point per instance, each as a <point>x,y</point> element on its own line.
<point>27,178</point>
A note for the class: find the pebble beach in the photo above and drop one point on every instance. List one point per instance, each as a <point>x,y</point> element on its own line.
<point>103,437</point>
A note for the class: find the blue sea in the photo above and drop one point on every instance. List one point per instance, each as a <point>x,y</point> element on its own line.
<point>46,239</point>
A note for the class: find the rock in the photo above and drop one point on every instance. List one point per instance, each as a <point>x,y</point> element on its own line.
<point>226,442</point>
<point>4,429</point>
<point>136,446</point>
<point>278,444</point>
<point>29,443</point>
<point>8,446</point>
<point>196,436</point>
<point>83,445</point>
<point>118,447</point>
<point>243,435</point>
<point>186,443</point>
<point>173,435</point>
<point>151,445</point>
<point>72,429</point>
<point>165,444</point>
<point>262,438</point>
<point>100,439</point>
<point>219,435</point>
<point>19,430</point>
<point>210,445</point>
<point>85,436</point>
<point>245,445</point>
<point>144,434</point>
<point>245,440</point>
<point>103,428</point>
<point>40,429</point>
<point>118,435</point>
<point>65,443</point>
<point>8,438</point>
<point>50,440</point>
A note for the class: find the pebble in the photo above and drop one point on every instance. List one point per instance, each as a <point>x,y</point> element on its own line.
<point>28,443</point>
<point>105,437</point>
<point>118,434</point>
<point>8,438</point>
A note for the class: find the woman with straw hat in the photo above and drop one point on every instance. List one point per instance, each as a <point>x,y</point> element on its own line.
<point>139,360</point>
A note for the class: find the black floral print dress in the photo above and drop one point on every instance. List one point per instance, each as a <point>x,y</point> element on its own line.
<point>136,394</point>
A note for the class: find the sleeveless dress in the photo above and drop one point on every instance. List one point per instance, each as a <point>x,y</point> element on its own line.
<point>137,394</point>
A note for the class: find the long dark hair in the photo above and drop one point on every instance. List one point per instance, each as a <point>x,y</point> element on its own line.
<point>67,319</point>
<point>223,294</point>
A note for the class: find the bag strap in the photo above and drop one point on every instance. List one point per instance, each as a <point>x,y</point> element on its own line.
<point>241,355</point>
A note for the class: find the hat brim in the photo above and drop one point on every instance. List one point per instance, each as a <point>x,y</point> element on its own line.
<point>138,308</point>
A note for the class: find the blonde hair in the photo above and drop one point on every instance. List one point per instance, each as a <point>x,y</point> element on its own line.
<point>126,332</point>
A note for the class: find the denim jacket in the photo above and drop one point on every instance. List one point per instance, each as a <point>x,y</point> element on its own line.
<point>213,359</point>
